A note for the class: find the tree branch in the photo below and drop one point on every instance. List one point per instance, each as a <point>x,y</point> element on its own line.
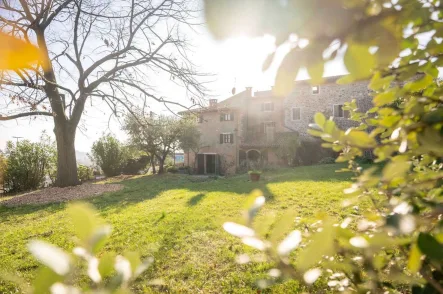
<point>25,114</point>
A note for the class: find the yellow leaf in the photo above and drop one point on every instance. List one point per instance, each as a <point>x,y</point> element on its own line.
<point>16,53</point>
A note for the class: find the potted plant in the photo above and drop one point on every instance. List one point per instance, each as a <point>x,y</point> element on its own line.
<point>254,175</point>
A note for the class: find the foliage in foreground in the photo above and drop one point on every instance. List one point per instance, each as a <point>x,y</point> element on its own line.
<point>109,273</point>
<point>397,45</point>
<point>28,164</point>
<point>178,220</point>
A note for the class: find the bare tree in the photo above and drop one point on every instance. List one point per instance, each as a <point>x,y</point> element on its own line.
<point>95,49</point>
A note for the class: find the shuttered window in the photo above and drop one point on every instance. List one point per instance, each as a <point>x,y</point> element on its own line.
<point>226,138</point>
<point>267,106</point>
<point>227,116</point>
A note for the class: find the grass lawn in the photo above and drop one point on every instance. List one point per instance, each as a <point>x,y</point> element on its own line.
<point>178,220</point>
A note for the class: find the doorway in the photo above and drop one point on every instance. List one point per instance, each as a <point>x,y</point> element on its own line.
<point>207,163</point>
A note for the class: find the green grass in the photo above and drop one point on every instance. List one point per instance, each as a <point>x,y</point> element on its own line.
<point>178,220</point>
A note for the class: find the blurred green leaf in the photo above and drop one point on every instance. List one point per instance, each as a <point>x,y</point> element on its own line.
<point>106,264</point>
<point>360,139</point>
<point>380,83</point>
<point>414,261</point>
<point>283,225</point>
<point>44,279</point>
<point>268,61</point>
<point>384,98</point>
<point>419,84</point>
<point>321,244</point>
<point>430,246</point>
<point>287,72</point>
<point>320,119</point>
<point>51,256</point>
<point>98,238</point>
<point>316,71</point>
<point>395,169</point>
<point>359,61</point>
<point>134,260</point>
<point>84,219</point>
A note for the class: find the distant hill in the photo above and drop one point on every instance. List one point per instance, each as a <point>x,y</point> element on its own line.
<point>82,158</point>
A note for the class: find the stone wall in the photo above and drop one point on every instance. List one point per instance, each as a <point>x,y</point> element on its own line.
<point>210,129</point>
<point>324,101</point>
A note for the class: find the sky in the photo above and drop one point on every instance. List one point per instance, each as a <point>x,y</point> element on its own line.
<point>233,63</point>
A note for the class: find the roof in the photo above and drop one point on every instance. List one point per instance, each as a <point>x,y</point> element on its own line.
<point>326,80</point>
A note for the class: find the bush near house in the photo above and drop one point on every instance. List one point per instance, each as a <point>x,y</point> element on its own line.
<point>311,152</point>
<point>327,160</point>
<point>29,164</point>
<point>133,166</point>
<point>109,154</point>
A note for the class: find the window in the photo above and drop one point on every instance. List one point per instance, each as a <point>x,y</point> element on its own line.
<point>267,106</point>
<point>226,138</point>
<point>339,112</point>
<point>269,130</point>
<point>315,90</point>
<point>296,113</point>
<point>227,117</point>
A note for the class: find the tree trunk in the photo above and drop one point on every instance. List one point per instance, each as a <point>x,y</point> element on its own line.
<point>153,165</point>
<point>66,159</point>
<point>161,163</point>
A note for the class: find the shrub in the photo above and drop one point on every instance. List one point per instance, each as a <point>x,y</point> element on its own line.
<point>172,169</point>
<point>133,166</point>
<point>29,164</point>
<point>85,173</point>
<point>327,160</point>
<point>311,152</point>
<point>109,154</point>
<point>3,164</point>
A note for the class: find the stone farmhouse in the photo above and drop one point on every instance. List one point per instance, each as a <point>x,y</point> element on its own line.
<point>246,127</point>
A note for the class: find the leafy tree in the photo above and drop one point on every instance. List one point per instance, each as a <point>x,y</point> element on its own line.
<point>91,52</point>
<point>3,164</point>
<point>190,139</point>
<point>158,136</point>
<point>109,154</point>
<point>29,164</point>
<point>288,144</point>
<point>398,244</point>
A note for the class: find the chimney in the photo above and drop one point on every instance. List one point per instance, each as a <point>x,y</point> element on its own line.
<point>212,103</point>
<point>249,91</point>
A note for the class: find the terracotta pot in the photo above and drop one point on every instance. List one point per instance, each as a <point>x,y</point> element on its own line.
<point>254,177</point>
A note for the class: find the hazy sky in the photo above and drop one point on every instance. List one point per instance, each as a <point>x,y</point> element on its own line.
<point>236,62</point>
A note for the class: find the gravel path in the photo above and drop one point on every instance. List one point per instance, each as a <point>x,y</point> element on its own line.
<point>50,195</point>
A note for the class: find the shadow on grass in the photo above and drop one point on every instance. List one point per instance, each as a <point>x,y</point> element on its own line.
<point>196,199</point>
<point>148,187</point>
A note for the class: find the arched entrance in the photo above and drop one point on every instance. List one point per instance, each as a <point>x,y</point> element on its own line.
<point>253,158</point>
<point>253,155</point>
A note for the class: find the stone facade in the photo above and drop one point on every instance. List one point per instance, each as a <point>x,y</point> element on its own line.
<point>330,94</point>
<point>243,129</point>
